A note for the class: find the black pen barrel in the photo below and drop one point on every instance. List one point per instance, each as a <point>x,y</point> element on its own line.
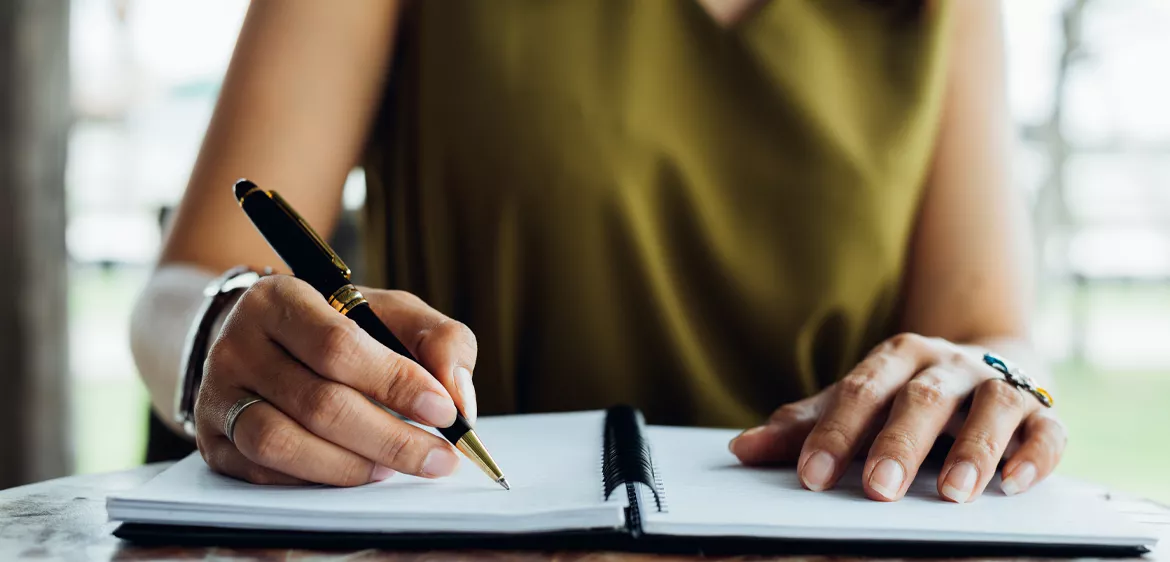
<point>367,320</point>
<point>295,247</point>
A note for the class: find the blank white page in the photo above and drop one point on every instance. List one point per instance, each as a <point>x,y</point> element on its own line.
<point>709,493</point>
<point>552,461</point>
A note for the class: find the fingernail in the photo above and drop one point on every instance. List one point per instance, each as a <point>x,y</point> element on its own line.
<point>1019,480</point>
<point>817,471</point>
<point>887,478</point>
<point>380,473</point>
<point>440,461</point>
<point>752,431</point>
<point>434,409</point>
<point>960,482</point>
<point>466,393</point>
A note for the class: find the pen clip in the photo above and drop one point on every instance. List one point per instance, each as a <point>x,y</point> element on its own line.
<point>284,206</point>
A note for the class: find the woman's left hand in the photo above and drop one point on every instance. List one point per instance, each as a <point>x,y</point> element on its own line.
<point>902,396</point>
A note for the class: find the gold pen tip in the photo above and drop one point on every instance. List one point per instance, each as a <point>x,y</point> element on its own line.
<point>504,482</point>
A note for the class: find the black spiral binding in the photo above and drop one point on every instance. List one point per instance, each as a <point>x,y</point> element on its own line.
<point>626,460</point>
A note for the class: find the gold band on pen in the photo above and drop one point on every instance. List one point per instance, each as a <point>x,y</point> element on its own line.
<point>346,298</point>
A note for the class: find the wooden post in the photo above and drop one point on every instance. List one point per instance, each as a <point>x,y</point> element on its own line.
<point>34,124</point>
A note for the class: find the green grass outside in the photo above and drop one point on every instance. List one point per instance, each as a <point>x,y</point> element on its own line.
<point>109,424</point>
<point>1118,425</point>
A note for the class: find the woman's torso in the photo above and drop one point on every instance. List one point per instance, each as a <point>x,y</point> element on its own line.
<point>629,203</point>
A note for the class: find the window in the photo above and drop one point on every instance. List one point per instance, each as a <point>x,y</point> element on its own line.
<point>1087,91</point>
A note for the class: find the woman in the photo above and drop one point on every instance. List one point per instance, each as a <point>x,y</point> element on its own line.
<point>705,208</point>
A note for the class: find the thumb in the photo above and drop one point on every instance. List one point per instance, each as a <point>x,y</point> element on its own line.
<point>780,439</point>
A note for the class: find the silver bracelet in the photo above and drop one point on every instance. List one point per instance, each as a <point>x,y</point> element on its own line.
<point>216,297</point>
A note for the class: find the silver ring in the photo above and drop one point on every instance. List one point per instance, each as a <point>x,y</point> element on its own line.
<point>233,414</point>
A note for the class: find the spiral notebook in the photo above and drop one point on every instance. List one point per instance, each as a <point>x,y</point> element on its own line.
<point>603,479</point>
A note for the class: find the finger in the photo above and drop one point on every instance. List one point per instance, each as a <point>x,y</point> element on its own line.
<point>344,416</point>
<point>215,399</point>
<point>919,414</point>
<point>446,347</point>
<point>223,457</point>
<point>1043,444</point>
<point>996,411</point>
<point>294,316</point>
<point>858,401</point>
<point>779,440</point>
<point>270,439</point>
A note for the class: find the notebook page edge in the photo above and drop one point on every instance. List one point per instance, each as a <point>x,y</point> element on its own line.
<point>596,517</point>
<point>861,534</point>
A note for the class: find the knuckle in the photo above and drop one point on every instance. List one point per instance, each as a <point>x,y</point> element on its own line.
<point>466,336</point>
<point>273,295</point>
<point>432,329</point>
<point>980,444</point>
<point>446,331</point>
<point>906,341</point>
<point>860,387</point>
<point>354,472</point>
<point>404,296</point>
<point>211,454</point>
<point>338,341</point>
<point>395,447</point>
<point>833,435</point>
<point>396,385</point>
<point>264,290</point>
<point>1057,429</point>
<point>1052,433</point>
<point>940,343</point>
<point>1047,446</point>
<point>203,417</point>
<point>788,414</point>
<point>954,356</point>
<point>897,442</point>
<point>258,475</point>
<point>926,392</point>
<point>328,405</point>
<point>277,445</point>
<point>1003,395</point>
<point>220,357</point>
<point>208,411</point>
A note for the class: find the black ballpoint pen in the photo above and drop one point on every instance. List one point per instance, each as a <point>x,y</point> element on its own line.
<point>313,261</point>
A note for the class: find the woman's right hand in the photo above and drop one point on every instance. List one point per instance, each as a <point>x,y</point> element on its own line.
<point>314,369</point>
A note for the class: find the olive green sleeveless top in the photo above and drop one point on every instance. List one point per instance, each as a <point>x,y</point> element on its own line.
<point>628,203</point>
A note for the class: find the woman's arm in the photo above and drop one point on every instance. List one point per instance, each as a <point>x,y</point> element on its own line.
<point>293,115</point>
<point>968,287</point>
<point>970,267</point>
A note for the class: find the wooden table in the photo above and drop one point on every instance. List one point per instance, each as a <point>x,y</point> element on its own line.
<point>65,519</point>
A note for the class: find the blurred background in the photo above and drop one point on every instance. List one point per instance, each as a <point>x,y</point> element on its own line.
<point>1087,87</point>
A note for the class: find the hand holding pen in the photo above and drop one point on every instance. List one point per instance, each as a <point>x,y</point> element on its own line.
<point>284,397</point>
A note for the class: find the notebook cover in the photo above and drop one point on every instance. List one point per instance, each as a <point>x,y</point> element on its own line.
<point>587,540</point>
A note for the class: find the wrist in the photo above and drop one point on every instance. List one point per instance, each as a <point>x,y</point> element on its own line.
<point>219,297</point>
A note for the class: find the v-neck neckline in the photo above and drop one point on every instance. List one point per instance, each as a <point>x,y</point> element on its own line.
<point>740,15</point>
